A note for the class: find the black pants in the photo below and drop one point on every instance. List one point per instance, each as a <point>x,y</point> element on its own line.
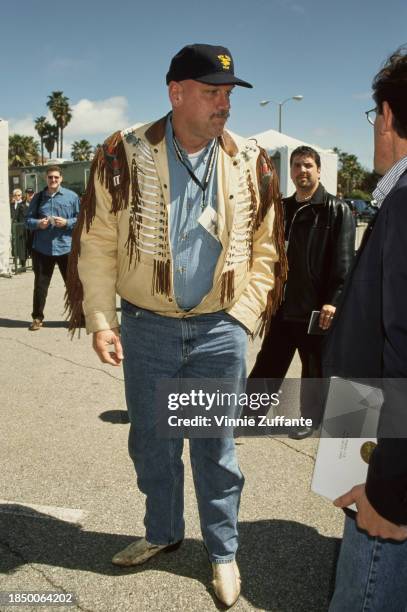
<point>276,354</point>
<point>19,236</point>
<point>43,266</point>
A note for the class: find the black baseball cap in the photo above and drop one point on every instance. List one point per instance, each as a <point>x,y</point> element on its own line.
<point>204,63</point>
<point>29,190</point>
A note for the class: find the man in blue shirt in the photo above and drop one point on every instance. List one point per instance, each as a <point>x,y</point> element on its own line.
<point>184,223</point>
<point>51,217</point>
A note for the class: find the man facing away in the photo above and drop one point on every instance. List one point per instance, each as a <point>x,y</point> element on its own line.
<point>179,219</point>
<point>51,217</point>
<point>369,340</point>
<point>320,242</point>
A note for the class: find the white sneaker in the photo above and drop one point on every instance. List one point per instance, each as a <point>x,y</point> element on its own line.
<point>140,551</point>
<point>226,582</point>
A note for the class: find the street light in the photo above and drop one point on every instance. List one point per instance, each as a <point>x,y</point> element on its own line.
<point>280,106</point>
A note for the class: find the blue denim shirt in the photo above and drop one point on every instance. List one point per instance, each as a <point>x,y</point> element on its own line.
<point>53,240</point>
<point>195,252</point>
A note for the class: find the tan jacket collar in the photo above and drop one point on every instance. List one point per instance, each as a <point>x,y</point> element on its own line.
<point>156,132</point>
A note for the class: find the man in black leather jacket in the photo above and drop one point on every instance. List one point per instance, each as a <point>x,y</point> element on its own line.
<point>320,239</point>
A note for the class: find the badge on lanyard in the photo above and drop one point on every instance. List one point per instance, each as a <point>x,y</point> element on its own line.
<point>209,221</point>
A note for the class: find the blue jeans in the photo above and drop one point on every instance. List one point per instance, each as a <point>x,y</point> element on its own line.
<point>157,347</point>
<point>371,574</point>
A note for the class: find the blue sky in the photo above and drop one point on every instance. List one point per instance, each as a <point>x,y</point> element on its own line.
<point>110,58</point>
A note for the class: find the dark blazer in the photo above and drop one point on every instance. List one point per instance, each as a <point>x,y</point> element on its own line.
<point>17,214</point>
<point>368,338</point>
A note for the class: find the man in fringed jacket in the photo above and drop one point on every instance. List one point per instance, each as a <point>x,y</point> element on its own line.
<point>184,223</point>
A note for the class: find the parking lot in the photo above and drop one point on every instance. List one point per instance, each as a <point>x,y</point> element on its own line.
<point>69,499</point>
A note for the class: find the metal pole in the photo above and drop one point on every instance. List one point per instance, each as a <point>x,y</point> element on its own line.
<point>280,107</point>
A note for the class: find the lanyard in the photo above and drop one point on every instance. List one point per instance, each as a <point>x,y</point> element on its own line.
<point>208,170</point>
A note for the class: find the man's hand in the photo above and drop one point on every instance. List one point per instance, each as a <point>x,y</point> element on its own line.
<point>60,222</point>
<point>102,340</point>
<point>43,223</point>
<point>368,519</point>
<point>326,315</point>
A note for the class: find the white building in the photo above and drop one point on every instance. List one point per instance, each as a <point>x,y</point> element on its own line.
<point>4,201</point>
<point>280,147</point>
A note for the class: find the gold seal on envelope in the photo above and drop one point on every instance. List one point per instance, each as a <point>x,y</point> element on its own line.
<point>366,451</point>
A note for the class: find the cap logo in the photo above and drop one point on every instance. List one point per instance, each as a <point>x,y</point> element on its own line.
<point>225,60</point>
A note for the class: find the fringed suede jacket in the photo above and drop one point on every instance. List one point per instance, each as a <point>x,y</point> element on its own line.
<point>121,241</point>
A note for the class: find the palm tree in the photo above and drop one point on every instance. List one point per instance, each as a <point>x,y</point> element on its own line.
<point>62,113</point>
<point>81,150</point>
<point>54,101</point>
<point>50,138</point>
<point>23,151</point>
<point>350,171</point>
<point>65,117</point>
<point>40,125</point>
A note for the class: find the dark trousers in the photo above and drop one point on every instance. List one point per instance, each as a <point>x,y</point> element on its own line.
<point>19,242</point>
<point>43,266</point>
<point>276,354</point>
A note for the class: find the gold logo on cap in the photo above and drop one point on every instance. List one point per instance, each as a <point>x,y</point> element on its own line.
<point>366,451</point>
<point>225,60</point>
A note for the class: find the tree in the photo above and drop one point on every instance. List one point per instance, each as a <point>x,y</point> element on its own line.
<point>350,172</point>
<point>50,138</point>
<point>62,113</point>
<point>54,104</point>
<point>81,150</point>
<point>370,181</point>
<point>40,125</point>
<point>359,194</point>
<point>23,151</point>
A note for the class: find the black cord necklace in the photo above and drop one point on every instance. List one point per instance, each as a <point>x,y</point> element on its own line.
<point>208,170</point>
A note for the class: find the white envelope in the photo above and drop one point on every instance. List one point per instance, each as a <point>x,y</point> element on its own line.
<point>342,459</point>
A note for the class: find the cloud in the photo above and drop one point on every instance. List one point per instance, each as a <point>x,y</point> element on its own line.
<point>294,7</point>
<point>67,64</point>
<point>91,119</point>
<point>25,126</point>
<point>96,117</point>
<point>365,95</point>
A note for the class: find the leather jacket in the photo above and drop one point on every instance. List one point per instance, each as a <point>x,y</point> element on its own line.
<point>320,241</point>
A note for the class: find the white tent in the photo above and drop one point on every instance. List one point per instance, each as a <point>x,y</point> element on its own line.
<point>281,145</point>
<point>4,201</point>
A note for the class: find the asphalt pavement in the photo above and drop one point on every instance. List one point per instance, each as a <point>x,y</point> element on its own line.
<point>69,501</point>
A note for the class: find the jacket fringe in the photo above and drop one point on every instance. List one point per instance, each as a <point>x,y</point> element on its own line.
<point>110,166</point>
<point>227,292</point>
<point>270,196</point>
<point>252,219</point>
<point>269,188</point>
<point>134,221</point>
<point>161,281</point>
<point>113,172</point>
